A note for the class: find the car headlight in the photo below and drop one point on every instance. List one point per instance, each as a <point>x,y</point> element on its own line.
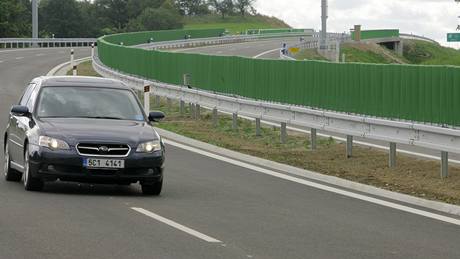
<point>149,147</point>
<point>52,143</point>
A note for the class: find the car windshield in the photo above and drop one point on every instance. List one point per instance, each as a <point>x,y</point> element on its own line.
<point>88,102</point>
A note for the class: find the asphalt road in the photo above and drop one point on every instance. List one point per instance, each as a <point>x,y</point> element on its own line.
<point>248,214</point>
<point>269,49</point>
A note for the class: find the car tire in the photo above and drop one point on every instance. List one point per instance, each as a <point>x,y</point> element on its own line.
<point>11,175</point>
<point>152,188</point>
<point>30,183</point>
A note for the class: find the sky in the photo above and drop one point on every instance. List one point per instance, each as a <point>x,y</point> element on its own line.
<point>431,18</point>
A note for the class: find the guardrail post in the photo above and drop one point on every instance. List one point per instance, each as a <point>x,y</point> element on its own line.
<point>92,49</point>
<point>169,101</point>
<point>197,112</point>
<point>192,111</point>
<point>444,164</point>
<point>349,146</point>
<point>72,61</point>
<point>74,70</point>
<point>157,101</point>
<point>258,130</point>
<point>337,51</point>
<point>182,107</point>
<point>214,117</point>
<point>147,99</point>
<point>235,121</point>
<point>283,134</point>
<point>392,155</point>
<point>313,139</point>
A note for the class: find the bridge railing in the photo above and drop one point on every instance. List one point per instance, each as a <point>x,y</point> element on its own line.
<point>45,42</point>
<point>417,37</point>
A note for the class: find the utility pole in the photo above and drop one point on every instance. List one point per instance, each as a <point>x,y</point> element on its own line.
<point>324,13</point>
<point>34,19</point>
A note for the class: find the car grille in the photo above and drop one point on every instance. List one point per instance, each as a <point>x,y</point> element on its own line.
<point>106,150</point>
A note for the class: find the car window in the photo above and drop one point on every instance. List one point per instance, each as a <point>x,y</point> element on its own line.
<point>27,93</point>
<point>88,102</point>
<point>33,96</point>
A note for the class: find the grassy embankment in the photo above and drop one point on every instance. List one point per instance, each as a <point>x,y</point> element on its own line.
<point>415,52</point>
<point>234,24</point>
<point>414,176</point>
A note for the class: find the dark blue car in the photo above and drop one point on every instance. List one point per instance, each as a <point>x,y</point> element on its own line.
<point>82,129</point>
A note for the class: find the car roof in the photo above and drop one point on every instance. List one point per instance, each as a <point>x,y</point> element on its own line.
<point>79,81</point>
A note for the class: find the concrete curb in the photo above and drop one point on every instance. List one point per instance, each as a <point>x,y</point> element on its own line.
<point>62,69</point>
<point>432,205</point>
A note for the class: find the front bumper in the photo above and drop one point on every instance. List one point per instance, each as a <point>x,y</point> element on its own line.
<point>67,165</point>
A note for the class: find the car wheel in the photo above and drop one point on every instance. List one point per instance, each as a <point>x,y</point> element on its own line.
<point>30,183</point>
<point>152,188</point>
<point>11,175</point>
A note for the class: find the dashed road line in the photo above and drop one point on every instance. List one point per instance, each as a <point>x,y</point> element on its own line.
<point>18,58</point>
<point>177,225</point>
<point>266,52</point>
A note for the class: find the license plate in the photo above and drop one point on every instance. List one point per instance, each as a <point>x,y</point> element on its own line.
<point>103,163</point>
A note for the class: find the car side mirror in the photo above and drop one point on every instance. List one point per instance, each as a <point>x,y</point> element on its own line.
<point>19,110</point>
<point>156,116</point>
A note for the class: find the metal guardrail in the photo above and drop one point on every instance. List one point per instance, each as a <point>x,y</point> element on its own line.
<point>46,42</point>
<point>410,133</point>
<point>190,43</point>
<point>417,37</point>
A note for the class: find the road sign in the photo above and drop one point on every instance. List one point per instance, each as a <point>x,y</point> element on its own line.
<point>453,37</point>
<point>294,50</point>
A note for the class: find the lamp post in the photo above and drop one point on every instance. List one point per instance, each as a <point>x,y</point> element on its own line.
<point>324,17</point>
<point>34,19</point>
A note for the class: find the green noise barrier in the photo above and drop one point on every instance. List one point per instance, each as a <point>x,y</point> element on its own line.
<point>428,94</point>
<point>376,34</point>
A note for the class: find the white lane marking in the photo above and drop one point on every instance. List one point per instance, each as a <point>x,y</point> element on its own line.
<point>18,58</point>
<point>39,54</point>
<point>177,225</point>
<point>219,52</point>
<point>266,52</point>
<point>1,61</point>
<point>317,185</point>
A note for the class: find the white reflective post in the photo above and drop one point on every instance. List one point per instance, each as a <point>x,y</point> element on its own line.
<point>147,99</point>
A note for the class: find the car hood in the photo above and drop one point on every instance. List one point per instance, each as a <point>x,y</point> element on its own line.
<point>76,130</point>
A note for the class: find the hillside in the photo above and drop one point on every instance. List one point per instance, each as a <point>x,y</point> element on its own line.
<point>415,52</point>
<point>425,53</point>
<point>235,24</point>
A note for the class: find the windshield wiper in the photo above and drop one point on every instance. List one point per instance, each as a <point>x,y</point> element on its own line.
<point>101,117</point>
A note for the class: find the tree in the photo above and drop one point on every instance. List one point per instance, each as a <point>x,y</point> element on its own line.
<point>193,7</point>
<point>13,18</point>
<point>162,18</point>
<point>115,11</point>
<point>61,18</point>
<point>135,7</point>
<point>244,6</point>
<point>224,7</point>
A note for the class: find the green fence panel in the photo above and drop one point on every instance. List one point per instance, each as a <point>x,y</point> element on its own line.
<point>375,34</point>
<point>417,93</point>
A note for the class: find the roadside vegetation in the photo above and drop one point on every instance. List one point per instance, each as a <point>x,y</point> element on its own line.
<point>426,53</point>
<point>234,24</point>
<point>94,18</point>
<point>415,52</point>
<point>414,176</point>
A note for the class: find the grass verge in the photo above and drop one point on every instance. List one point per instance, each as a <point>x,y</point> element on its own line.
<point>413,176</point>
<point>234,24</point>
